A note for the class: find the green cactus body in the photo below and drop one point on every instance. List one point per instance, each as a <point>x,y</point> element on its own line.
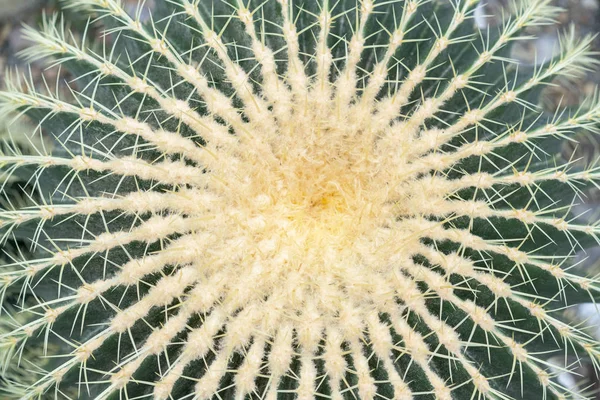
<point>280,199</point>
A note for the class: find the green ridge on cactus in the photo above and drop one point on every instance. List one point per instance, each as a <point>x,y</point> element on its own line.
<point>286,199</point>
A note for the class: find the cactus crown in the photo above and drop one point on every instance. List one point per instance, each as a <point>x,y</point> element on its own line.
<point>338,199</point>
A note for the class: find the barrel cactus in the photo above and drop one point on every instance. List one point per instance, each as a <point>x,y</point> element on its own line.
<point>286,199</point>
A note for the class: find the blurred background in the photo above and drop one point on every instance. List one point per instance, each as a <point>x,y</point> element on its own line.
<point>581,15</point>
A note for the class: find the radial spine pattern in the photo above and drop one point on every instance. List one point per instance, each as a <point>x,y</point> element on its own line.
<point>283,199</point>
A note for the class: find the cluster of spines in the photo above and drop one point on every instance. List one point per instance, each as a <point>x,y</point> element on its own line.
<point>179,173</point>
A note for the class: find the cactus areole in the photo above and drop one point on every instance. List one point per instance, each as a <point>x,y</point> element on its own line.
<point>285,199</point>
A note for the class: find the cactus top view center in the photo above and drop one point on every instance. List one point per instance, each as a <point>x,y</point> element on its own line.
<point>284,199</point>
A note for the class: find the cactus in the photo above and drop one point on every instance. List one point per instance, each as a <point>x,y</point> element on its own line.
<point>273,199</point>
